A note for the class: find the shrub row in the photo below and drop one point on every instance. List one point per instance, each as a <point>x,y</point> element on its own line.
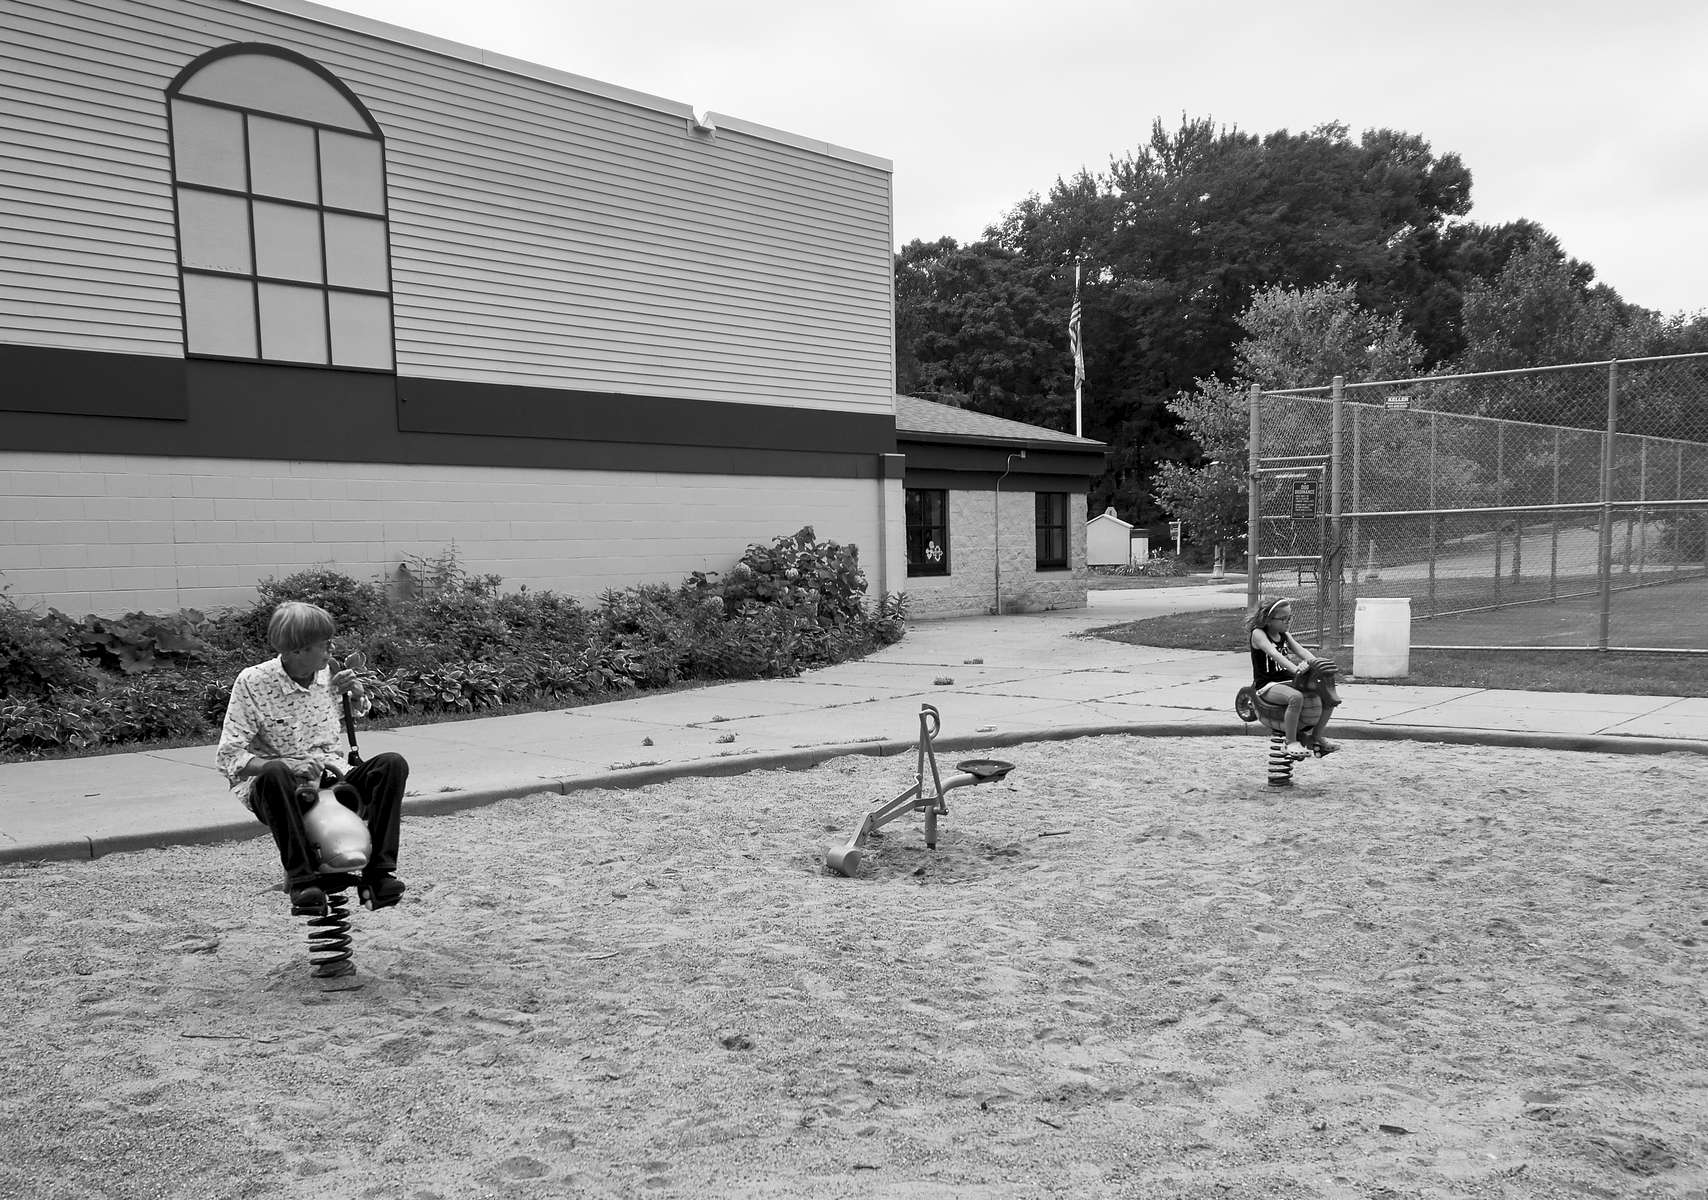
<point>440,640</point>
<point>1160,564</point>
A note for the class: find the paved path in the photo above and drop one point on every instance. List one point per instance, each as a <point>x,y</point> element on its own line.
<point>996,681</point>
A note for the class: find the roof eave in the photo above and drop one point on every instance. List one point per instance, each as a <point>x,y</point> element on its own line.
<point>983,439</point>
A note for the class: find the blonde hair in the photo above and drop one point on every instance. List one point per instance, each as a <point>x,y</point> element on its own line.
<point>1259,616</point>
<point>295,625</point>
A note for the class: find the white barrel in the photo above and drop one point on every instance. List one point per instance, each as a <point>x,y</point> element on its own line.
<point>1381,637</point>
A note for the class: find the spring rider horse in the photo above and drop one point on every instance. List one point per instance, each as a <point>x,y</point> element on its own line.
<point>845,860</point>
<point>1313,680</point>
<point>339,842</point>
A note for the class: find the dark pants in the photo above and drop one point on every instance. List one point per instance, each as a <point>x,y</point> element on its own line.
<point>378,783</point>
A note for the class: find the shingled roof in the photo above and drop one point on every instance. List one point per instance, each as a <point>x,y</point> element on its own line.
<point>938,422</point>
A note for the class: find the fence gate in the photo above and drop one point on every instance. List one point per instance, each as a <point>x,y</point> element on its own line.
<point>1556,508</point>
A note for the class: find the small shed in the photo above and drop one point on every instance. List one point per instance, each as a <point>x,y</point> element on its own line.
<point>1108,540</point>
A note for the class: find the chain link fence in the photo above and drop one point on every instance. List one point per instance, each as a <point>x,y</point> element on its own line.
<point>1558,508</point>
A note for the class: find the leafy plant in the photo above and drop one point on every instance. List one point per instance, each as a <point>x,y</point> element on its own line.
<point>385,693</point>
<point>149,708</point>
<point>891,621</point>
<point>454,687</point>
<point>137,642</point>
<point>444,574</point>
<point>32,725</point>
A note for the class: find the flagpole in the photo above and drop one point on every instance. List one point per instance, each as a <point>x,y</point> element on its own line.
<point>1078,355</point>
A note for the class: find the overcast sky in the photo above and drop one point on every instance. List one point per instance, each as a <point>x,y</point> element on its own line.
<point>1589,119</point>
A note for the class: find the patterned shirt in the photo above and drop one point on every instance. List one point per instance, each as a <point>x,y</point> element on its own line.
<point>271,715</point>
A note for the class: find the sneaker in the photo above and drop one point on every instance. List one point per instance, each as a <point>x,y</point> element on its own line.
<point>1296,752</point>
<point>1322,747</point>
<point>307,898</point>
<point>382,890</point>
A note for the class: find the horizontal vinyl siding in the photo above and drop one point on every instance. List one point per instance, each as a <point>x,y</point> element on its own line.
<point>540,235</point>
<point>649,259</point>
<point>88,260</point>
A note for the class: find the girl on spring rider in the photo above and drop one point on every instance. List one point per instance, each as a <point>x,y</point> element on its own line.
<point>1283,672</point>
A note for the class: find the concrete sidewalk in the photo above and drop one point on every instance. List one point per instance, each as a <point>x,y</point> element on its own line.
<point>997,681</point>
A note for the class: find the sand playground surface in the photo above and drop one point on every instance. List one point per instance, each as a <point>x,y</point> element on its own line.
<point>1128,970</point>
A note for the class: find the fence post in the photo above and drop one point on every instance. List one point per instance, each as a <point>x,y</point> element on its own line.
<point>1554,527</point>
<point>1500,499</point>
<point>1605,566</point>
<point>1253,500</point>
<point>1434,520</point>
<point>1643,509</point>
<point>1677,494</point>
<point>1354,546</point>
<point>1335,556</point>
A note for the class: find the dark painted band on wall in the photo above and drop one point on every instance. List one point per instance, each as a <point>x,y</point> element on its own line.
<point>1085,463</point>
<point>494,410</point>
<point>235,410</point>
<point>985,481</point>
<point>41,379</point>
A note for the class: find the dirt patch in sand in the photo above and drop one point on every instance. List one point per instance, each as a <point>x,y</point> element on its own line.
<point>1128,970</point>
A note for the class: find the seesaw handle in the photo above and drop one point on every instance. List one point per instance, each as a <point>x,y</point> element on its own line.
<point>929,723</point>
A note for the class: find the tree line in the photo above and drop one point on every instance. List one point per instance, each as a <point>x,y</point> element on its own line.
<point>1211,258</point>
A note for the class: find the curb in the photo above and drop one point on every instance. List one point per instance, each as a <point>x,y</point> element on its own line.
<point>804,758</point>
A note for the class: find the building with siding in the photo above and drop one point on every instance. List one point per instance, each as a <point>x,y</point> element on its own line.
<point>994,511</point>
<point>284,287</point>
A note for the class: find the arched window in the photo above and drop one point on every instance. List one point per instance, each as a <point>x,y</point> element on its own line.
<point>279,174</point>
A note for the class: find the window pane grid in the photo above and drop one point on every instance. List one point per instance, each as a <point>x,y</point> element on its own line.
<point>290,214</point>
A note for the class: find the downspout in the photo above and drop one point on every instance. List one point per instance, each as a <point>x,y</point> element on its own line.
<point>998,522</point>
<point>883,533</point>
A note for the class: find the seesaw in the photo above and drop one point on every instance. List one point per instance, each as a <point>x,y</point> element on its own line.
<point>845,860</point>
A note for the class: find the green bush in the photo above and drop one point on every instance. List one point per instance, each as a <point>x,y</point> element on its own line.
<point>353,605</point>
<point>446,642</point>
<point>1162,563</point>
<point>821,580</point>
<point>150,708</point>
<point>36,659</point>
<point>759,645</point>
<point>649,625</point>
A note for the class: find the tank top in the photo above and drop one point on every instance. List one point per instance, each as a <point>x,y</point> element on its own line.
<point>1264,670</point>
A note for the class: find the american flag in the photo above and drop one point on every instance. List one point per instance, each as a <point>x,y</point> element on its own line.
<point>1073,334</point>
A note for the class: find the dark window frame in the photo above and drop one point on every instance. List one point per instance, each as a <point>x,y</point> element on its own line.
<point>1052,532</point>
<point>927,521</point>
<point>324,289</point>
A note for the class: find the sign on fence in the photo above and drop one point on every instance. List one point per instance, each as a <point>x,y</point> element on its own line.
<point>1305,497</point>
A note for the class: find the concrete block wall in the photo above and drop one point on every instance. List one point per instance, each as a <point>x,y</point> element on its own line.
<point>970,587</point>
<point>111,534</point>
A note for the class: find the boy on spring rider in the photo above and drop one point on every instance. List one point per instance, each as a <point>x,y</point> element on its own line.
<point>281,741</point>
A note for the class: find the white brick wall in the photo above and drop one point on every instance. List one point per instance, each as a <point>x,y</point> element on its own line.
<point>970,587</point>
<point>110,534</point>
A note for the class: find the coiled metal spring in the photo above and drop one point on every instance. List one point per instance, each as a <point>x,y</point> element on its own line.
<point>329,938</point>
